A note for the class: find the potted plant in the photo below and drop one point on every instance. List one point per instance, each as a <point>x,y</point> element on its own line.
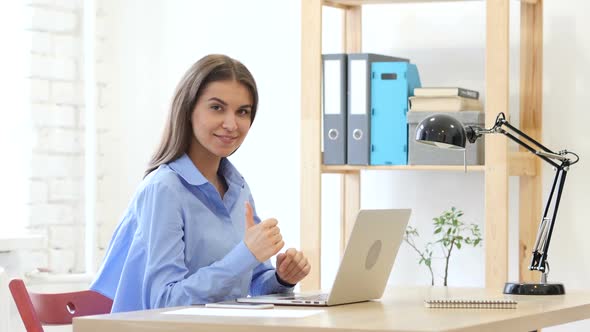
<point>450,233</point>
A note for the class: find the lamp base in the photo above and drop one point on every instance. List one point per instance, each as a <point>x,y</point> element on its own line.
<point>516,288</point>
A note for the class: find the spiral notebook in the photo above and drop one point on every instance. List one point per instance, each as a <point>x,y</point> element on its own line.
<point>471,303</point>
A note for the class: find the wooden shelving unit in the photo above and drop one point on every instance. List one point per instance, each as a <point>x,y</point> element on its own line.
<point>500,164</point>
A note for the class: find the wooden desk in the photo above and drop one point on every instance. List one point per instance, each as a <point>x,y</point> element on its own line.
<point>401,309</point>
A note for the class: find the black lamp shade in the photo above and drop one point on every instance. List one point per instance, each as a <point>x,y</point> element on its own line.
<point>442,131</point>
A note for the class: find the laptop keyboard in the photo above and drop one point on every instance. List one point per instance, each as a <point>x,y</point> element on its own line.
<point>316,297</point>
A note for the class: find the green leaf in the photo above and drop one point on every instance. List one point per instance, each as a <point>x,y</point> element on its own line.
<point>458,245</point>
<point>438,230</point>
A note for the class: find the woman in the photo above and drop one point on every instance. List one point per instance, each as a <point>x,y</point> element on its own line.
<point>190,234</point>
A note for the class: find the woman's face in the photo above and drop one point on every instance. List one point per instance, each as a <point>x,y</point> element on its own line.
<point>221,118</point>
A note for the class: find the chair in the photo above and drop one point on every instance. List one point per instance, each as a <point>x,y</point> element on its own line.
<point>43,309</point>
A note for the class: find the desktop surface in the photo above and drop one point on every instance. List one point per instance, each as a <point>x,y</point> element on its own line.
<point>400,309</point>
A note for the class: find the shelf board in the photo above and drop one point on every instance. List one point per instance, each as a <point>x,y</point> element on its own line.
<point>347,3</point>
<point>352,168</point>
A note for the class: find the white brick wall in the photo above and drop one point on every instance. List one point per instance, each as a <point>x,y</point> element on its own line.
<point>62,260</point>
<point>66,189</point>
<point>51,68</point>
<point>67,46</point>
<point>56,179</point>
<point>39,90</point>
<point>47,17</point>
<point>40,42</point>
<point>56,198</point>
<point>54,116</point>
<point>34,259</point>
<point>39,192</point>
<point>67,92</point>
<point>62,237</point>
<point>48,214</point>
<point>51,165</point>
<point>58,140</point>
<point>68,4</point>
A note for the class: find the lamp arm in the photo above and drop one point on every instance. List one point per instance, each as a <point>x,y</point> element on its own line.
<point>541,248</point>
<point>543,154</point>
<point>543,238</point>
<point>538,149</point>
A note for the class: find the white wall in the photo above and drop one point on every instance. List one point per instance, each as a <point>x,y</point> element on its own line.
<point>151,48</point>
<point>565,101</point>
<point>152,43</point>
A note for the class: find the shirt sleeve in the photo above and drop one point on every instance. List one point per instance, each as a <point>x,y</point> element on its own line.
<point>264,281</point>
<point>166,281</point>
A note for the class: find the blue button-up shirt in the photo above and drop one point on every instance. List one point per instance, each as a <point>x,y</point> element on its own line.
<point>180,243</point>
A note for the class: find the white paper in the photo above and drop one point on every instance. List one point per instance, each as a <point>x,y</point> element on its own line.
<point>271,313</point>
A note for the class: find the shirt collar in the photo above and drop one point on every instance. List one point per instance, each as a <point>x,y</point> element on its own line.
<point>230,173</point>
<point>184,167</point>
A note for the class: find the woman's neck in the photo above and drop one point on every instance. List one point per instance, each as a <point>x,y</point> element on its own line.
<point>208,164</point>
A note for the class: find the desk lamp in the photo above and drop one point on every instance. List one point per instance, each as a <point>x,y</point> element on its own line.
<point>444,131</point>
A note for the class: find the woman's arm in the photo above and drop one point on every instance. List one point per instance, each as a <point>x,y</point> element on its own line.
<point>166,281</point>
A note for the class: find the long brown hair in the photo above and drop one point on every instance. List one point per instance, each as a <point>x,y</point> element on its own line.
<point>178,130</point>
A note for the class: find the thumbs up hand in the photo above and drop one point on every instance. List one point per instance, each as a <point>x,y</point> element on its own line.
<point>264,240</point>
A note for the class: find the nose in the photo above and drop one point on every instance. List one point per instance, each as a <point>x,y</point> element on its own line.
<point>229,122</point>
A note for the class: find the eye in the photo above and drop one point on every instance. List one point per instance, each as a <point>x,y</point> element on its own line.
<point>243,111</point>
<point>216,107</point>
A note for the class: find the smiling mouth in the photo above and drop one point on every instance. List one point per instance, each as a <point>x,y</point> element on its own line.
<point>226,139</point>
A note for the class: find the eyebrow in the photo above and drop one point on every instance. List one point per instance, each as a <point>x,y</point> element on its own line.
<point>225,104</point>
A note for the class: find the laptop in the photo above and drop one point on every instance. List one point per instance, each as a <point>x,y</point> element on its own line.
<point>365,266</point>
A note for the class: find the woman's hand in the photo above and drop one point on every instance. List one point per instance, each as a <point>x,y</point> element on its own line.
<point>264,240</point>
<point>292,266</point>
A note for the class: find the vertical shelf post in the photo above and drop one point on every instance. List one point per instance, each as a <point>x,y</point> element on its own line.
<point>496,152</point>
<point>310,205</point>
<point>350,181</point>
<point>531,121</point>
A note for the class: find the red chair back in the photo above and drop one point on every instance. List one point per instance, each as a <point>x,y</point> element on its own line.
<point>40,309</point>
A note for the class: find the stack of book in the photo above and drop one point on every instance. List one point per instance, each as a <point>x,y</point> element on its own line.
<point>445,99</point>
